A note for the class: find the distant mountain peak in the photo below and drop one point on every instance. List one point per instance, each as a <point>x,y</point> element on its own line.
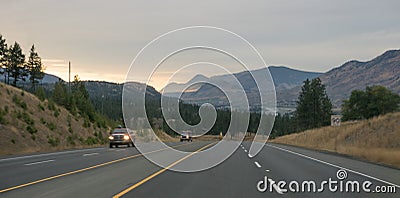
<point>198,77</point>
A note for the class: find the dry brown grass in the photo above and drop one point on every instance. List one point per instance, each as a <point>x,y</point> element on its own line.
<point>16,139</point>
<point>164,137</point>
<point>376,140</point>
<point>207,138</point>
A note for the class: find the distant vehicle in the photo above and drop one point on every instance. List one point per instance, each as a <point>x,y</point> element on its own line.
<point>186,136</point>
<point>121,136</point>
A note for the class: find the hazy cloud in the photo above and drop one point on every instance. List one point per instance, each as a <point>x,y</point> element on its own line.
<point>104,36</point>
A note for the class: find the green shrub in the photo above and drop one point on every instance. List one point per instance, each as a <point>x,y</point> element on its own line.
<point>19,102</point>
<point>25,117</point>
<point>22,93</point>
<point>56,113</point>
<point>53,141</point>
<point>2,119</point>
<point>6,109</point>
<point>13,141</point>
<point>51,105</point>
<point>33,137</point>
<point>51,126</point>
<point>91,140</point>
<point>70,140</point>
<point>40,93</point>
<point>41,107</point>
<point>86,122</point>
<point>42,121</point>
<point>31,129</point>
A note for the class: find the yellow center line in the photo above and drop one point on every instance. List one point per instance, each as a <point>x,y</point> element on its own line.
<point>159,172</point>
<point>84,169</point>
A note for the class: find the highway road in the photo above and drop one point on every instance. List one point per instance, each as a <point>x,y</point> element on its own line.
<point>124,172</point>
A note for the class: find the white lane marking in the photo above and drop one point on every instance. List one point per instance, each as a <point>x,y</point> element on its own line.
<point>276,187</point>
<point>267,170</point>
<point>120,150</point>
<point>334,165</point>
<point>257,164</point>
<point>89,154</point>
<point>49,154</point>
<point>250,156</point>
<point>40,162</point>
<point>245,150</point>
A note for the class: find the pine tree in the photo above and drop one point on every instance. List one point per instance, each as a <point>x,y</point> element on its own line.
<point>34,67</point>
<point>60,93</point>
<point>15,63</point>
<point>313,107</point>
<point>80,98</point>
<point>3,56</point>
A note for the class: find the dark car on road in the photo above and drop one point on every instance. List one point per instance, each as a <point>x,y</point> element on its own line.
<point>121,136</point>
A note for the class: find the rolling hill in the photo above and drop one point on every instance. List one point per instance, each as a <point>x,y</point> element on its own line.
<point>29,125</point>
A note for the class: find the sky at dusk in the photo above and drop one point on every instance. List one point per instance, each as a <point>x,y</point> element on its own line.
<point>101,38</point>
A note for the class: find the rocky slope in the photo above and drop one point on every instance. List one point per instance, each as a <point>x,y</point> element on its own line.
<point>383,70</point>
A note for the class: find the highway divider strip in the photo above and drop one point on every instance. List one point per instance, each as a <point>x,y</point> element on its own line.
<point>84,169</point>
<point>160,171</point>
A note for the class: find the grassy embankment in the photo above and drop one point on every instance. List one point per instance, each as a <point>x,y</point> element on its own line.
<point>376,140</point>
<point>29,125</point>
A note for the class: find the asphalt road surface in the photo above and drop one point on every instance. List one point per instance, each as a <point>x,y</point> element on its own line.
<point>124,172</point>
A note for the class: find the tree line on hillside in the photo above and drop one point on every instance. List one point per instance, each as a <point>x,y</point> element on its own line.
<point>314,108</point>
<point>190,114</point>
<point>15,67</point>
<point>77,101</point>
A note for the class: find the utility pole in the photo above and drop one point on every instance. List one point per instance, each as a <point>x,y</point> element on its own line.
<point>69,77</point>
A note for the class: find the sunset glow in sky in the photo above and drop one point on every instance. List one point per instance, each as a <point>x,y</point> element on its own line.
<point>101,38</point>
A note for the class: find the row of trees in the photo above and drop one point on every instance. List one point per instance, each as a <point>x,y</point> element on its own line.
<point>374,101</point>
<point>77,100</point>
<point>314,107</point>
<point>14,65</point>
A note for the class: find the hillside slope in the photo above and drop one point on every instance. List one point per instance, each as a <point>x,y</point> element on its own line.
<point>383,70</point>
<point>29,125</point>
<point>376,139</point>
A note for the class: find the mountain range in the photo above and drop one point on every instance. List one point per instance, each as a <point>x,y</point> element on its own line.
<point>383,70</point>
<point>47,79</point>
<point>340,81</point>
